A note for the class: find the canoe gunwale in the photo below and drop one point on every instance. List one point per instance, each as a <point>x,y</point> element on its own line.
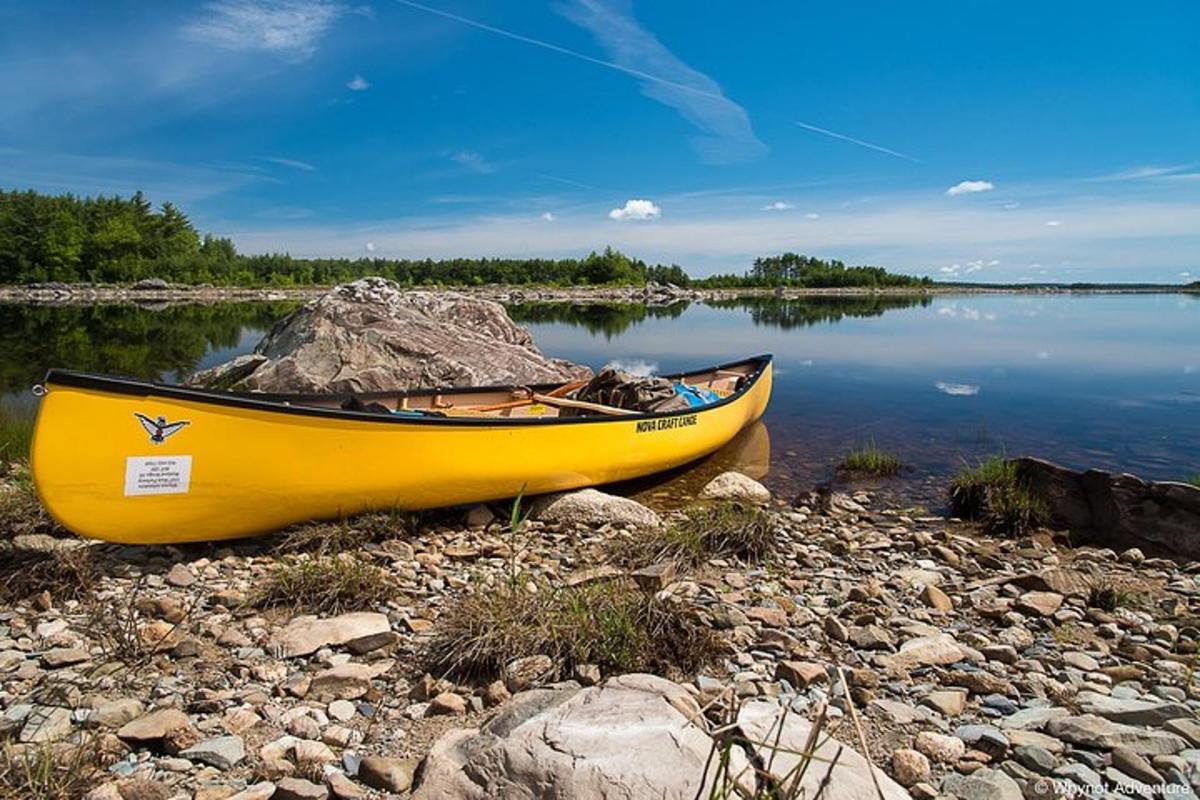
<point>281,403</point>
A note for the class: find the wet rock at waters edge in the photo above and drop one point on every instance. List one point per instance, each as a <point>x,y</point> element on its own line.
<point>738,487</point>
<point>593,507</point>
<point>1123,510</point>
<point>370,335</point>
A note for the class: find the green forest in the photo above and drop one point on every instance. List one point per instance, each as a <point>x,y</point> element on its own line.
<point>70,239</point>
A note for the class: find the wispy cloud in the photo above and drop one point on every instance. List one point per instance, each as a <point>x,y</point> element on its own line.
<point>358,84</point>
<point>548,216</point>
<point>970,187</point>
<point>289,162</point>
<point>635,51</point>
<point>473,161</point>
<point>860,142</point>
<point>290,28</point>
<point>636,209</point>
<point>778,205</point>
<point>1141,173</point>
<point>727,133</point>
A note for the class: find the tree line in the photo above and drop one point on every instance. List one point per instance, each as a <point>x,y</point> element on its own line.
<point>70,239</point>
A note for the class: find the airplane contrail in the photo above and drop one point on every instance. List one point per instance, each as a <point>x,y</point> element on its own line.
<point>858,142</point>
<point>637,73</point>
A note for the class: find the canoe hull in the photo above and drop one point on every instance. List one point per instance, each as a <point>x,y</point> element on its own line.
<point>104,470</point>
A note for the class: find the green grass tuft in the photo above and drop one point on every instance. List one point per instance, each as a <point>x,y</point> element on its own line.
<point>16,431</point>
<point>611,624</point>
<point>1108,596</point>
<point>325,584</point>
<point>995,494</point>
<point>870,460</point>
<point>721,530</point>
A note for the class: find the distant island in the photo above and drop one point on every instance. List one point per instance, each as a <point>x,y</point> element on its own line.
<point>108,240</point>
<point>112,240</point>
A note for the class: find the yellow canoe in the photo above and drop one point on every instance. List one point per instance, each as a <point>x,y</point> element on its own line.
<point>134,462</point>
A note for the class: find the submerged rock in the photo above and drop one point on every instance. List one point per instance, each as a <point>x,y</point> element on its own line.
<point>370,335</point>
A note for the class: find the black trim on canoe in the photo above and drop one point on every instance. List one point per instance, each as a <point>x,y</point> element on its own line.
<point>281,403</point>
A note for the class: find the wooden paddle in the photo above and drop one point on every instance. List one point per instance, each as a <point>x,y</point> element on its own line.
<point>566,388</point>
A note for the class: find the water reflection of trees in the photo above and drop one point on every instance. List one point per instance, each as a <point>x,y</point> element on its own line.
<point>610,319</point>
<point>805,312</point>
<point>120,339</point>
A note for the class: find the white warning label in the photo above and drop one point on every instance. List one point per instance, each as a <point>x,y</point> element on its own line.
<point>157,475</point>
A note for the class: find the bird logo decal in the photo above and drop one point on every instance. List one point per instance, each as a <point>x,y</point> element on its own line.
<point>159,429</point>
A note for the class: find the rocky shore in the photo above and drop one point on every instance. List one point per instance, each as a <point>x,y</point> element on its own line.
<point>155,292</point>
<point>914,656</point>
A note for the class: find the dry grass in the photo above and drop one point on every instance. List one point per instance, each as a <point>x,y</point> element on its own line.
<point>66,574</point>
<point>721,530</point>
<point>49,771</point>
<point>611,624</point>
<point>20,510</point>
<point>869,460</point>
<point>773,770</point>
<point>325,584</point>
<point>995,494</point>
<point>347,535</point>
<point>126,634</point>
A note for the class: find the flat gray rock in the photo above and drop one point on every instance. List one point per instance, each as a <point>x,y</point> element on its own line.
<point>222,752</point>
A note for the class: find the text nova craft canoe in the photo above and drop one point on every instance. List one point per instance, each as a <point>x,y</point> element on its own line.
<point>134,462</point>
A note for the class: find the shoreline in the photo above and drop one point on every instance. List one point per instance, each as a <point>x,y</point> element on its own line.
<point>87,294</point>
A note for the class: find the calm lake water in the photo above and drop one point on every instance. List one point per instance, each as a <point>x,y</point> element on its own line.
<point>1110,381</point>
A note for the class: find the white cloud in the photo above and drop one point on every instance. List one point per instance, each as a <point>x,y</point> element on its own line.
<point>473,161</point>
<point>1042,355</point>
<point>370,247</point>
<point>1053,223</point>
<point>778,205</point>
<point>289,162</point>
<point>290,28</point>
<point>636,209</point>
<point>812,216</point>
<point>549,216</point>
<point>1185,274</point>
<point>727,133</point>
<point>970,187</point>
<point>1012,206</point>
<point>957,389</point>
<point>358,84</point>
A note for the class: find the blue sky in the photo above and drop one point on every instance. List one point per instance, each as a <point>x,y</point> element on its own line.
<point>979,140</point>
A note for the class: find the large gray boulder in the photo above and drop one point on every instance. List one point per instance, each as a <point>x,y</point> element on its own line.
<point>1120,509</point>
<point>632,737</point>
<point>370,335</point>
